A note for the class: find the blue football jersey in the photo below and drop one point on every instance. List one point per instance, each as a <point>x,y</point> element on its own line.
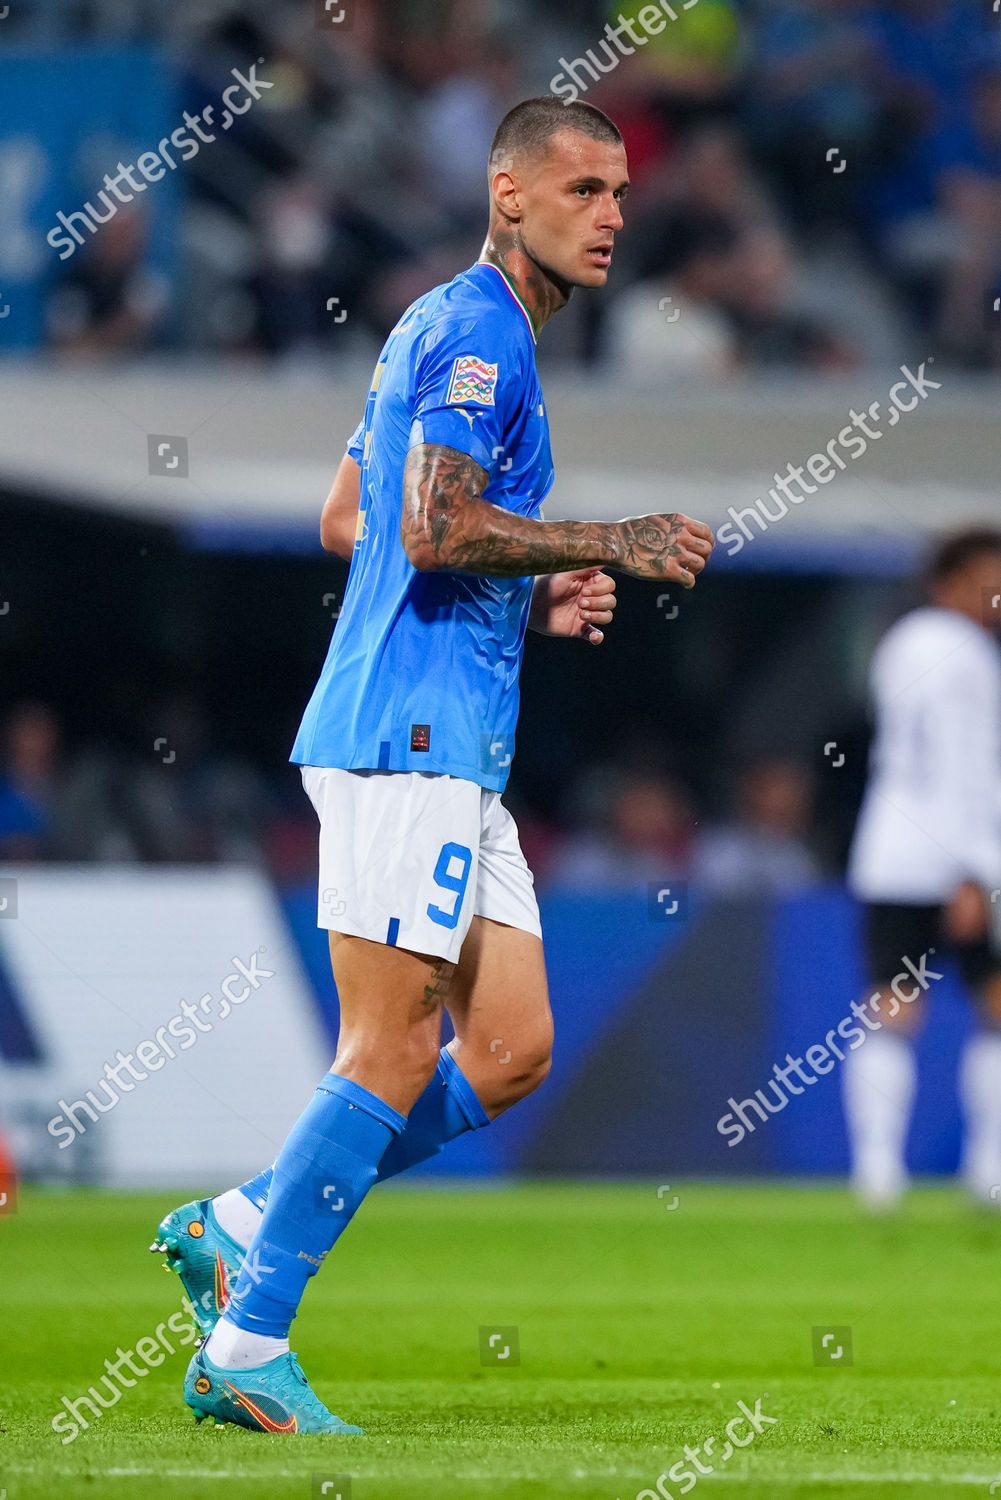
<point>422,670</point>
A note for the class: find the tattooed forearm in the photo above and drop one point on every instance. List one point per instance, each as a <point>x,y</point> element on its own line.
<point>448,527</point>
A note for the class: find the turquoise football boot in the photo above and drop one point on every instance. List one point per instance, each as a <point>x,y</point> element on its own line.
<point>205,1257</point>
<point>275,1397</point>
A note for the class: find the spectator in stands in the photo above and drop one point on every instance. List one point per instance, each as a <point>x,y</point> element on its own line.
<point>968,157</point>
<point>186,802</point>
<point>455,125</point>
<point>110,301</point>
<point>770,326</point>
<point>28,783</point>
<point>674,323</point>
<point>764,848</point>
<point>812,92</point>
<point>716,287</point>
<point>295,275</point>
<point>692,64</point>
<point>644,834</point>
<point>924,55</point>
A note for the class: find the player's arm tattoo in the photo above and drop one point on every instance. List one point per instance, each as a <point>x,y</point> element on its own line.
<point>447,526</point>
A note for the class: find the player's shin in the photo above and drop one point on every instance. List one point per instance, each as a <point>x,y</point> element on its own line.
<point>447,1109</point>
<point>321,1177</point>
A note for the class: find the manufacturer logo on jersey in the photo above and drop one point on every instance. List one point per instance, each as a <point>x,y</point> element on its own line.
<point>472,380</point>
<point>420,736</point>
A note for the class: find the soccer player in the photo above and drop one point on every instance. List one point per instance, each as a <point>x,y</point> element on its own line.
<point>405,748</point>
<point>926,861</point>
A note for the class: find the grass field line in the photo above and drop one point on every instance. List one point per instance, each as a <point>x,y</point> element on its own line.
<point>616,1476</point>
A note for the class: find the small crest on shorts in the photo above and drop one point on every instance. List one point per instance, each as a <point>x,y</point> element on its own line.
<point>472,380</point>
<point>420,736</point>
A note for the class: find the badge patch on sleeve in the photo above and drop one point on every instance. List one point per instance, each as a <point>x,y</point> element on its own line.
<point>472,380</point>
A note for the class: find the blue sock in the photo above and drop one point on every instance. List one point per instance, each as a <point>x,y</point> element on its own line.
<point>258,1188</point>
<point>321,1177</point>
<point>447,1108</point>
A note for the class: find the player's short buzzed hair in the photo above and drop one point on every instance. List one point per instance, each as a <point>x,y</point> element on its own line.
<point>526,130</point>
<point>960,548</point>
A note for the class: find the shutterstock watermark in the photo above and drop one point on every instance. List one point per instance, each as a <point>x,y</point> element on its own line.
<point>153,1054</point>
<point>122,188</point>
<point>850,444</point>
<point>148,1354</point>
<point>913,980</point>
<point>687,1472</point>
<point>651,21</point>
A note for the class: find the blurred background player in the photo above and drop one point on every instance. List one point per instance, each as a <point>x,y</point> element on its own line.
<point>926,861</point>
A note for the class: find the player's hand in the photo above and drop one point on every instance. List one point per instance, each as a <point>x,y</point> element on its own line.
<point>673,548</point>
<point>574,604</point>
<point>967,915</point>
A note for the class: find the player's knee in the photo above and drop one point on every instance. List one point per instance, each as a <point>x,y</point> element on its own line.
<point>405,1062</point>
<point>413,1060</point>
<point>507,1084</point>
<point>534,1074</point>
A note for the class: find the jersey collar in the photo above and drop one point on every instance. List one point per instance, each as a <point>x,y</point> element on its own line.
<point>510,286</point>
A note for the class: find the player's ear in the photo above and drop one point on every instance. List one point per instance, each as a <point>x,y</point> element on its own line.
<point>505,190</point>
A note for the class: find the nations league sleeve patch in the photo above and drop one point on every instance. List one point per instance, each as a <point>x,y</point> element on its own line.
<point>472,380</point>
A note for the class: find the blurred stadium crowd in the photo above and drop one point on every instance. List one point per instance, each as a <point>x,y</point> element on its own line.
<point>817,182</point>
<point>634,823</point>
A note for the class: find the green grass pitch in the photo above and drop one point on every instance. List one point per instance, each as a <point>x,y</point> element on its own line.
<point>644,1314</point>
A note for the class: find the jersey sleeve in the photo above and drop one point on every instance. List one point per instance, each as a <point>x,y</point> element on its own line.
<point>468,382</point>
<point>356,443</point>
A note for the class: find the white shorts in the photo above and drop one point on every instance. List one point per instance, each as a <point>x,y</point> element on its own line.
<point>408,858</point>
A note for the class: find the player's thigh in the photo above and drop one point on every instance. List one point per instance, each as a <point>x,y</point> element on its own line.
<point>498,1002</point>
<point>501,998</point>
<point>398,858</point>
<point>390,1015</point>
<point>385,991</point>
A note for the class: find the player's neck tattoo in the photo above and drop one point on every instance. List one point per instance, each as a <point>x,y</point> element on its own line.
<point>541,292</point>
